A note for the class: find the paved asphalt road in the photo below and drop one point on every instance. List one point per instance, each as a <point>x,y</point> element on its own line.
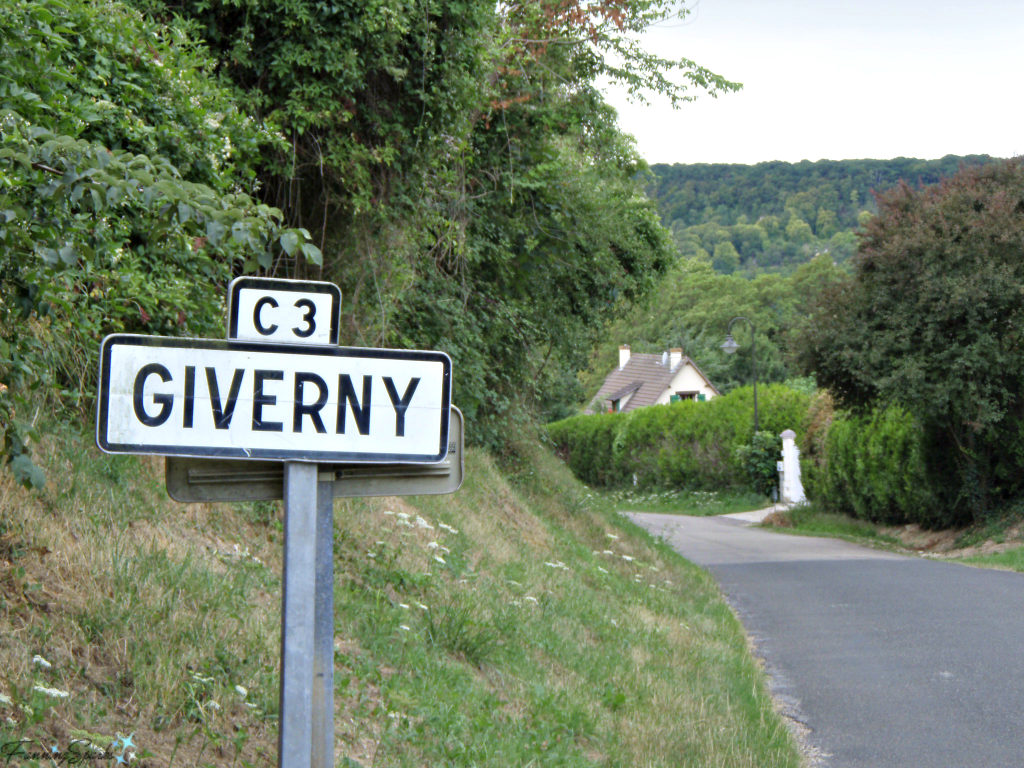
<point>890,661</point>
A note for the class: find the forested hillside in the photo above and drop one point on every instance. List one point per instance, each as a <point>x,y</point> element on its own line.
<point>773,216</point>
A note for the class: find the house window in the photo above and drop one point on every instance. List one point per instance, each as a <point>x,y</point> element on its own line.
<point>686,396</point>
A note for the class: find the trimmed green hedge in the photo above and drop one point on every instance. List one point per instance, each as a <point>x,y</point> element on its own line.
<point>684,445</point>
<point>875,469</point>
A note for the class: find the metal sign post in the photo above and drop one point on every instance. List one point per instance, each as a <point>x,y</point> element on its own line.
<point>323,627</point>
<point>298,616</point>
<point>279,411</point>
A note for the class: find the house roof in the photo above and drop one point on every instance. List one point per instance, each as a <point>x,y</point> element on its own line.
<point>626,390</point>
<point>644,375</point>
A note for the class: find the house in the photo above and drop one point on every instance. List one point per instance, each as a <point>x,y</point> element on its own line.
<point>651,380</point>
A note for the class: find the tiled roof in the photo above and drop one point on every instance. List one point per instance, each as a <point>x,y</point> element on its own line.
<point>646,376</point>
<point>626,390</point>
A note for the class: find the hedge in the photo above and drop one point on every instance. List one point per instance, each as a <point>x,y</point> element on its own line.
<point>874,467</point>
<point>688,444</point>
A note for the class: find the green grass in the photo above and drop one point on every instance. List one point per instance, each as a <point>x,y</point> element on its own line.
<point>521,621</point>
<point>1010,560</point>
<point>695,503</point>
<point>807,519</point>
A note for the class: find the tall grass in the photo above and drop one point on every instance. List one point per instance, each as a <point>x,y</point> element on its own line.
<point>518,622</point>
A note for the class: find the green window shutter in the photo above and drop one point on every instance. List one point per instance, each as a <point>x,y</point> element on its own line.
<point>673,398</point>
<point>701,398</point>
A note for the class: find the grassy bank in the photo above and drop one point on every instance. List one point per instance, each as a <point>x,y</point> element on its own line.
<point>695,503</point>
<point>998,543</point>
<point>520,622</point>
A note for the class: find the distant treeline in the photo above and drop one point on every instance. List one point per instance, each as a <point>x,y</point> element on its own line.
<point>774,216</point>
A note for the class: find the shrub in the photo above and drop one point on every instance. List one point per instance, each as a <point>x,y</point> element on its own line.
<point>875,469</point>
<point>688,444</point>
<point>759,460</point>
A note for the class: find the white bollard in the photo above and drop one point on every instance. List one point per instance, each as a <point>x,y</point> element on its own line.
<point>791,489</point>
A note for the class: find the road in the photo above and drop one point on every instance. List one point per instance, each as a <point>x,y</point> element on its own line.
<point>890,661</point>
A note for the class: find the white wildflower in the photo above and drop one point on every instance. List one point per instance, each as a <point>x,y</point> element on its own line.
<point>627,558</point>
<point>214,706</point>
<point>403,605</point>
<point>422,607</point>
<point>421,523</point>
<point>439,559</point>
<point>446,527</point>
<point>513,583</point>
<point>405,523</point>
<point>402,516</point>
<point>388,512</point>
<point>250,705</point>
<point>371,555</point>
<point>607,552</point>
<point>531,600</point>
<point>241,690</point>
<point>611,536</point>
<point>53,693</point>
<point>404,628</point>
<point>433,545</point>
<point>39,661</point>
<point>602,570</point>
<point>5,700</point>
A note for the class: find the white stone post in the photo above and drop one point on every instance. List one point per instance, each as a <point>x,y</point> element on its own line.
<point>791,489</point>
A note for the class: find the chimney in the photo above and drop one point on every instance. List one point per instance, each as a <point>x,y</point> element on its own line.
<point>623,355</point>
<point>674,358</point>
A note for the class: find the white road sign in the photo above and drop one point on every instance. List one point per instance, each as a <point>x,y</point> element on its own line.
<point>200,397</point>
<point>284,311</point>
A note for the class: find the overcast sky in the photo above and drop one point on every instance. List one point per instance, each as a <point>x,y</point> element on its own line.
<point>838,79</point>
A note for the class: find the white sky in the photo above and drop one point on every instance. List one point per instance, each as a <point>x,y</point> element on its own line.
<point>838,79</point>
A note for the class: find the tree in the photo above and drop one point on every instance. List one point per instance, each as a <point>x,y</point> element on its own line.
<point>726,259</point>
<point>123,206</point>
<point>933,320</point>
<point>457,161</point>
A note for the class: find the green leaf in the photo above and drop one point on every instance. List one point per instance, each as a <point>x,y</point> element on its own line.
<point>215,232</point>
<point>290,241</point>
<point>27,473</point>
<point>313,254</point>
